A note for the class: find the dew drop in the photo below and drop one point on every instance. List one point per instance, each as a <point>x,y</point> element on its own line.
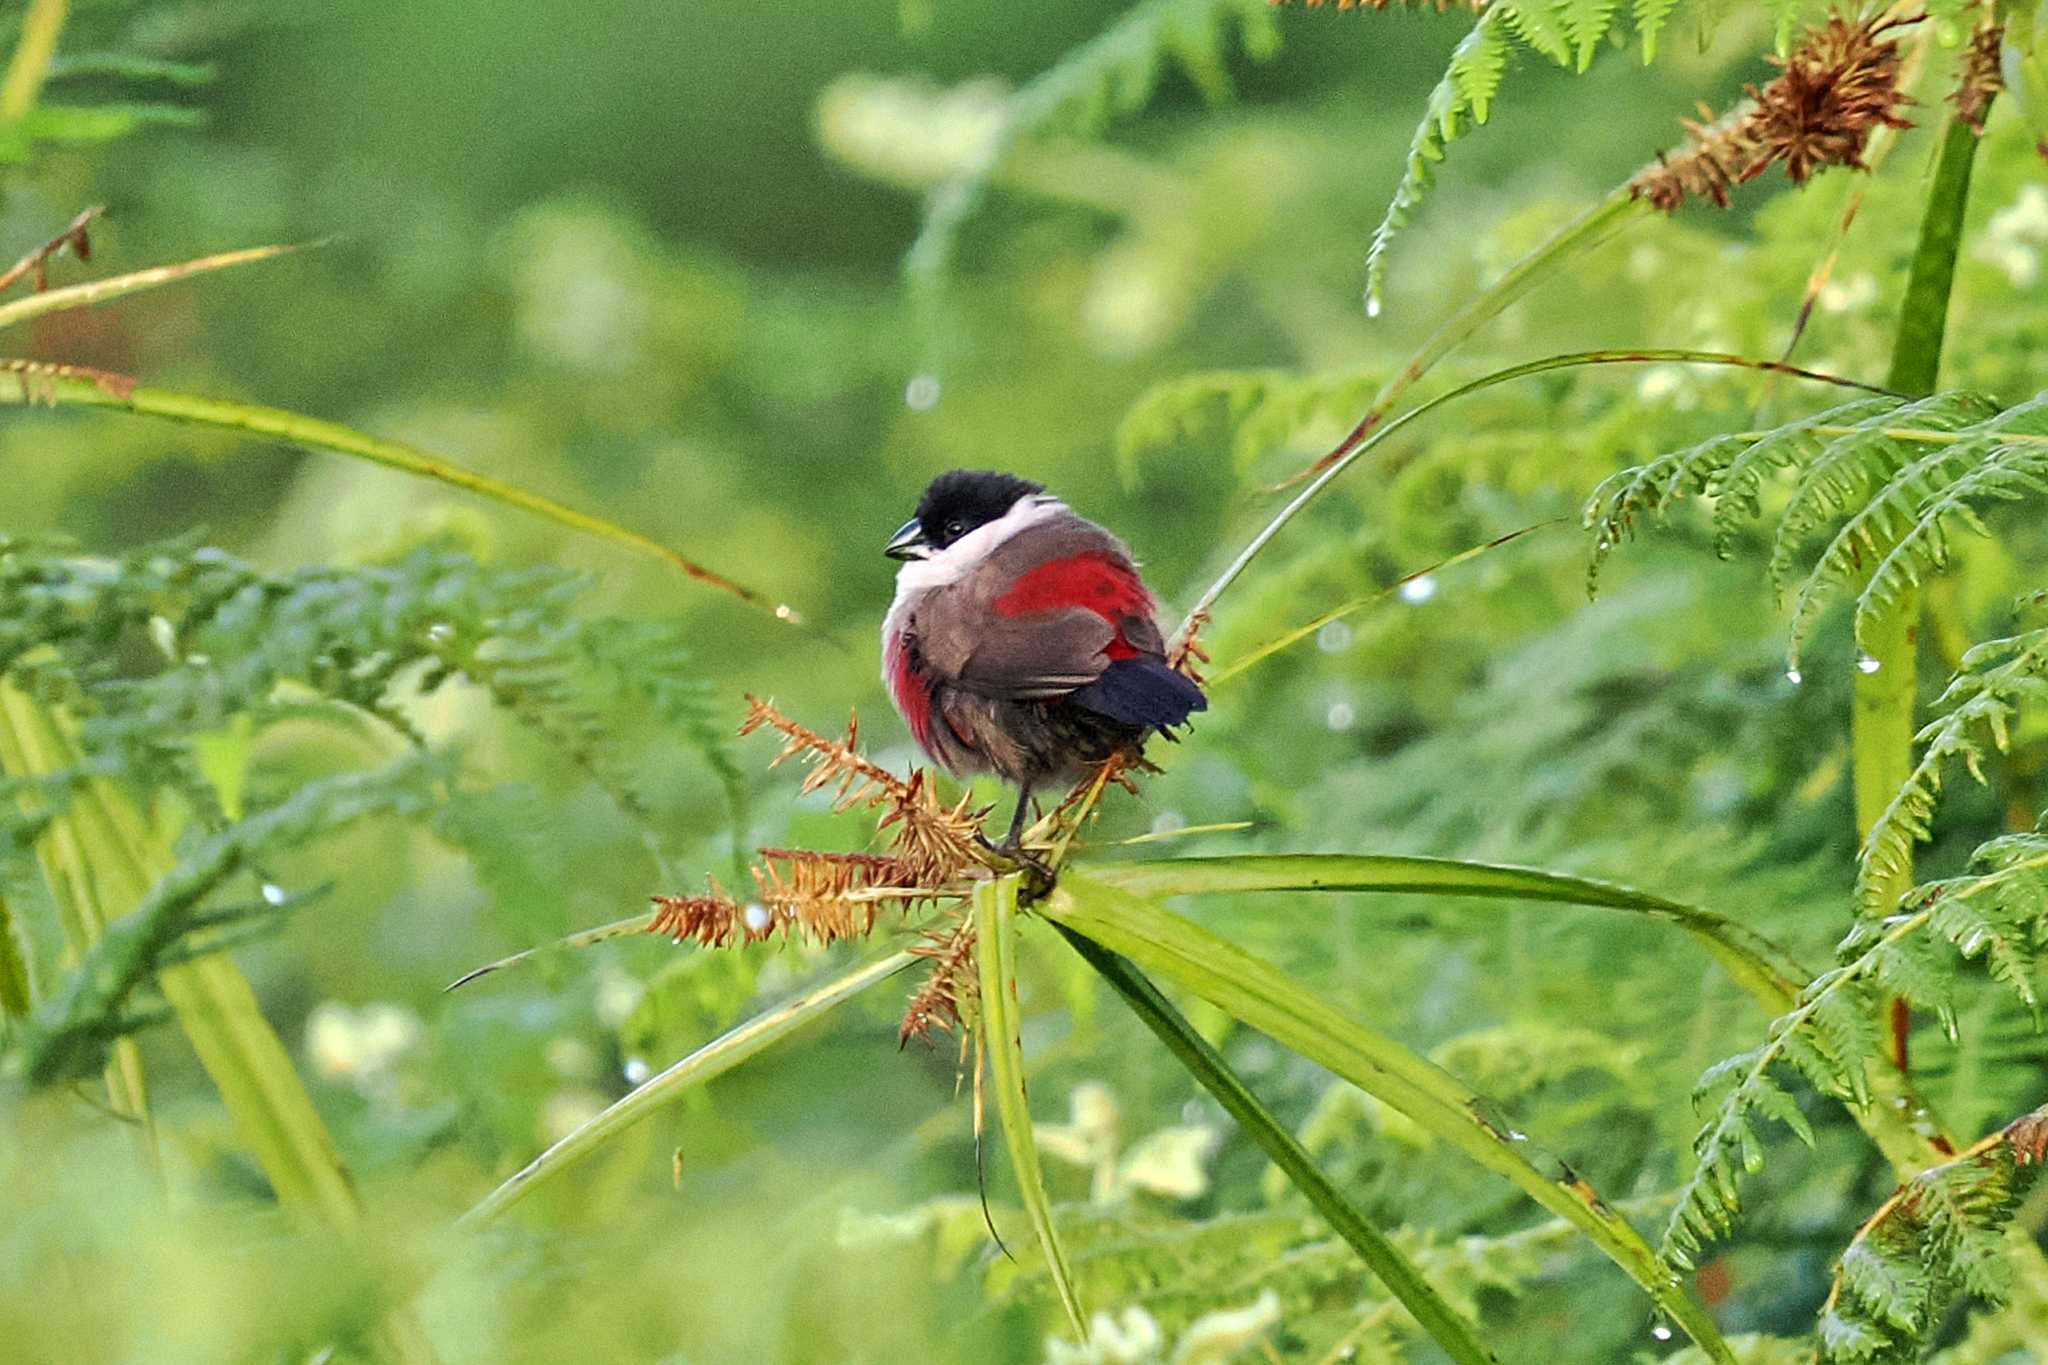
<point>636,1070</point>
<point>1334,638</point>
<point>1419,589</point>
<point>784,612</point>
<point>1372,305</point>
<point>1866,664</point>
<point>921,394</point>
<point>273,894</point>
<point>1342,715</point>
<point>756,917</point>
<point>1792,676</point>
<point>440,632</point>
<point>1661,1332</point>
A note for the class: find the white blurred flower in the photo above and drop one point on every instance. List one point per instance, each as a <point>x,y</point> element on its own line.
<point>1135,299</point>
<point>1217,1337</point>
<point>1133,1338</point>
<point>2014,237</point>
<point>360,1047</point>
<point>1854,294</point>
<point>908,132</point>
<point>567,1110</point>
<point>617,995</point>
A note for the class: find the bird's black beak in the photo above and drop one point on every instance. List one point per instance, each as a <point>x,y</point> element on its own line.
<point>908,542</point>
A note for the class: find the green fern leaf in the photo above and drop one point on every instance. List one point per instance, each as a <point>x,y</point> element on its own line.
<point>1465,93</point>
<point>2001,473</point>
<point>1650,18</point>
<point>1994,679</point>
<point>1544,25</point>
<point>1586,24</point>
<point>1737,488</point>
<point>1114,73</point>
<point>1863,458</point>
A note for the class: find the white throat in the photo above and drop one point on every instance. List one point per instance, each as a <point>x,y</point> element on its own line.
<point>942,567</point>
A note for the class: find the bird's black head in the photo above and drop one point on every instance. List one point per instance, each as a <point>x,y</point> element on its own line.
<point>954,504</point>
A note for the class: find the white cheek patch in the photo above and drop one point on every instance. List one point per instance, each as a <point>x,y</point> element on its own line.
<point>950,564</point>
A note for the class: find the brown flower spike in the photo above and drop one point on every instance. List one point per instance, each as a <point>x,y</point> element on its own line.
<point>1834,90</point>
<point>1981,78</point>
<point>824,898</point>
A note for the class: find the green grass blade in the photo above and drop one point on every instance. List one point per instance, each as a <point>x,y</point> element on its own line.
<point>1753,961</point>
<point>62,386</point>
<point>1257,994</point>
<point>1215,678</point>
<point>118,286</point>
<point>1450,1329</point>
<point>26,751</point>
<point>1375,428</point>
<point>30,64</point>
<point>15,991</point>
<point>715,1058</point>
<point>1900,1123</point>
<point>582,938</point>
<point>995,927</point>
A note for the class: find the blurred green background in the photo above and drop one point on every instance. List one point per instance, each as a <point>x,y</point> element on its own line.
<point>646,259</point>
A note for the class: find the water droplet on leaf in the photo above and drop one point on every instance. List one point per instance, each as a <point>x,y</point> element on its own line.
<point>1419,589</point>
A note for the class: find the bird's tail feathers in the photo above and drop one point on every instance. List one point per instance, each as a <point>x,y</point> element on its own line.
<point>1143,692</point>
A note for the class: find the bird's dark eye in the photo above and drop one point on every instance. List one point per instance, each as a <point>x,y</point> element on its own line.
<point>955,529</point>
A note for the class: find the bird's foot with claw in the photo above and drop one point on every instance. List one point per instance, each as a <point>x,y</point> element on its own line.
<point>1040,872</point>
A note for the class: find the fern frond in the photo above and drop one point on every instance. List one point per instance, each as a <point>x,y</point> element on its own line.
<point>1650,17</point>
<point>2005,472</point>
<point>68,1036</point>
<point>1994,679</point>
<point>1730,469</point>
<point>1942,1235</point>
<point>1998,913</point>
<point>1465,93</point>
<point>1648,490</point>
<point>1859,460</point>
<point>1112,74</point>
<point>228,637</point>
<point>1737,488</point>
<point>1899,477</point>
<point>1261,409</point>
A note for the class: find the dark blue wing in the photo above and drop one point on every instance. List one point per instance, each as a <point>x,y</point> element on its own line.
<point>1141,692</point>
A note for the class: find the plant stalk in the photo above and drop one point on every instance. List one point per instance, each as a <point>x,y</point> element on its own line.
<point>1881,717</point>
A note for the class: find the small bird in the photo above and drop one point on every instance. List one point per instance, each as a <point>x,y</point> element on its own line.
<point>1021,641</point>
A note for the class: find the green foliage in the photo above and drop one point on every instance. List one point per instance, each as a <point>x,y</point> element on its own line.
<point>68,1036</point>
<point>1997,912</point>
<point>706,341</point>
<point>1567,34</point>
<point>1262,410</point>
<point>1465,93</point>
<point>1983,699</point>
<point>223,644</point>
<point>1942,1236</point>
<point>1898,477</point>
<point>1115,73</point>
